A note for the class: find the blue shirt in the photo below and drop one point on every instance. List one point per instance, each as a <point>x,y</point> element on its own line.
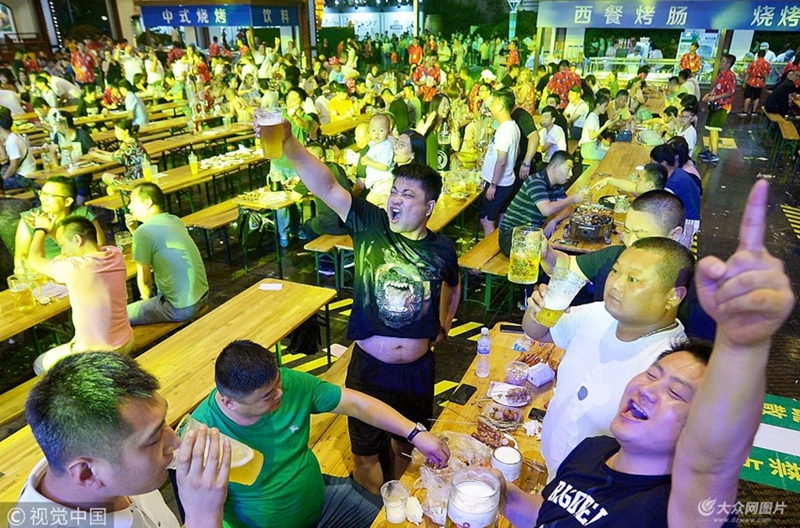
<point>132,102</point>
<point>682,185</point>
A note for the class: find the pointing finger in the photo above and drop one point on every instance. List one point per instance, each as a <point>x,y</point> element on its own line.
<point>754,220</point>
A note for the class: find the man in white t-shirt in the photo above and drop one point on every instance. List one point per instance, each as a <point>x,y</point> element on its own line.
<point>551,137</point>
<point>609,342</point>
<point>131,62</point>
<point>688,131</point>
<point>498,166</point>
<point>20,160</point>
<point>103,428</point>
<point>11,100</point>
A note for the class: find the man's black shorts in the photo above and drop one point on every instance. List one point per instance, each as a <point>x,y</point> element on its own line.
<point>502,198</point>
<point>751,92</point>
<point>407,388</point>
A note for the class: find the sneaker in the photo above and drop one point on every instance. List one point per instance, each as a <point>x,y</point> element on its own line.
<point>326,268</point>
<point>742,114</point>
<point>705,155</point>
<point>284,241</point>
<point>302,234</point>
<point>713,158</point>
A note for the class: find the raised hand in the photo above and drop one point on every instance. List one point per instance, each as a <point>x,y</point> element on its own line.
<point>749,295</point>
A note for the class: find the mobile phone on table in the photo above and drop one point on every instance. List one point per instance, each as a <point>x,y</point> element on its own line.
<point>536,414</point>
<point>511,328</point>
<point>463,393</point>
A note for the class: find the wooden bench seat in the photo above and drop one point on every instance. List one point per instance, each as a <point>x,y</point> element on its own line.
<point>213,218</point>
<point>329,244</point>
<point>481,253</point>
<point>788,130</point>
<point>328,437</point>
<point>485,257</point>
<point>786,140</point>
<point>12,402</point>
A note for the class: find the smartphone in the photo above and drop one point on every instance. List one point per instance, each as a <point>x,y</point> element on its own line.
<point>536,414</point>
<point>511,328</point>
<point>463,393</point>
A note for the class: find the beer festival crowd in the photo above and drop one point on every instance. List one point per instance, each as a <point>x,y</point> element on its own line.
<point>659,391</point>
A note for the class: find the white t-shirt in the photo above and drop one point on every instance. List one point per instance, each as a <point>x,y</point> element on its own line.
<point>506,139</point>
<point>154,76</point>
<point>581,109</point>
<point>592,377</point>
<point>17,149</point>
<point>62,86</point>
<point>556,137</point>
<point>11,100</point>
<point>180,70</point>
<point>690,135</point>
<point>145,511</point>
<point>590,126</point>
<point>379,182</point>
<point>251,69</point>
<point>132,65</point>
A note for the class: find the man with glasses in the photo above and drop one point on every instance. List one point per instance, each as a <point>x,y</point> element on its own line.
<point>95,278</point>
<point>57,196</point>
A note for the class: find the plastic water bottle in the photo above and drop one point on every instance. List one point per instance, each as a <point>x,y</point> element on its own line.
<point>484,347</point>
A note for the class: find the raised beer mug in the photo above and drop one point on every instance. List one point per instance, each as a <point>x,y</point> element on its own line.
<point>526,250</point>
<point>474,498</point>
<point>563,287</point>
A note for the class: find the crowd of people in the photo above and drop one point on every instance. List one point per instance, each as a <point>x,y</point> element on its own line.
<point>629,433</point>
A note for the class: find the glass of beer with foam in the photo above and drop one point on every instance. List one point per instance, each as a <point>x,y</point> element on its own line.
<point>564,286</point>
<point>271,131</point>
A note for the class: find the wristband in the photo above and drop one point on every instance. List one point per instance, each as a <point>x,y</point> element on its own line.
<point>43,230</point>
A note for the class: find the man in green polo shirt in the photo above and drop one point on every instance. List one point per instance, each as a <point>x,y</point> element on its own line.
<point>162,246</point>
<point>269,409</point>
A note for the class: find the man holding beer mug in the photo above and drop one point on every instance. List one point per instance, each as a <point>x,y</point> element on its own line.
<point>405,296</point>
<point>684,426</point>
<point>608,342</point>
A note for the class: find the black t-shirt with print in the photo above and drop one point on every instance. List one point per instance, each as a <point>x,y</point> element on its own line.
<point>585,491</point>
<point>398,281</point>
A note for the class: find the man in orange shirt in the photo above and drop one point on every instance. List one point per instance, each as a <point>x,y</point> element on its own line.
<point>562,82</point>
<point>414,52</point>
<point>755,79</point>
<point>691,60</point>
<point>83,63</point>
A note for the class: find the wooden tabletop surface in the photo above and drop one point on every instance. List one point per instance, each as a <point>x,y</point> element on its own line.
<point>184,363</point>
<point>343,125</point>
<point>464,418</point>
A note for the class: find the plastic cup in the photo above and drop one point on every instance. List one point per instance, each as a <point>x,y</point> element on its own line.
<point>516,373</point>
<point>564,286</point>
<point>395,499</point>
<point>147,172</point>
<point>509,461</point>
<point>526,251</point>
<point>269,121</point>
<point>226,122</point>
<point>21,293</point>
<point>124,241</point>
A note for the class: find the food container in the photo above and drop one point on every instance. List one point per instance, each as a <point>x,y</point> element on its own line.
<point>540,374</point>
<point>591,222</point>
<point>516,373</point>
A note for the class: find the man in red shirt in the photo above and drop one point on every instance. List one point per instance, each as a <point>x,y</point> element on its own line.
<point>562,82</point>
<point>691,60</point>
<point>83,65</point>
<point>513,55</point>
<point>214,49</point>
<point>427,76</point>
<point>755,78</point>
<point>719,100</point>
<point>414,52</point>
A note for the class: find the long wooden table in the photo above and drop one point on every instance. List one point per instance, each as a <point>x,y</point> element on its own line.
<point>184,363</point>
<point>343,125</point>
<point>620,161</point>
<point>156,148</point>
<point>15,322</point>
<point>464,418</point>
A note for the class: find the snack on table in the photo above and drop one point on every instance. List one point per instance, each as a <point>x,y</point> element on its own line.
<point>530,359</point>
<point>516,373</point>
<point>492,437</point>
<point>518,395</point>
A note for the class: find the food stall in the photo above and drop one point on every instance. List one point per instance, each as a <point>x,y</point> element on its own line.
<point>718,27</point>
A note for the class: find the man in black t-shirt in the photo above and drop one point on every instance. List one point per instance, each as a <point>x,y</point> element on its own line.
<point>778,101</point>
<point>528,150</point>
<point>406,292</point>
<point>679,444</point>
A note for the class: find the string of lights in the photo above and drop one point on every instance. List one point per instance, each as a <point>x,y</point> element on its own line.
<point>355,4</point>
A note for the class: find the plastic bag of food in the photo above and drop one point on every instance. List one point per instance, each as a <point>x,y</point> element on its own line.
<point>434,483</point>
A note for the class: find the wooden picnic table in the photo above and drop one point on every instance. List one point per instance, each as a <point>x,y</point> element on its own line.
<point>81,169</point>
<point>343,125</point>
<point>150,128</point>
<point>156,148</point>
<point>14,322</point>
<point>621,160</point>
<point>464,418</point>
<point>184,363</point>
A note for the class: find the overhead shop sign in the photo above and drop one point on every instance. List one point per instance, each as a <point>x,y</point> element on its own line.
<point>774,15</point>
<point>219,15</point>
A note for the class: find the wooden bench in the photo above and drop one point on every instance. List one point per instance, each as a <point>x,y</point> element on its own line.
<point>769,123</point>
<point>485,257</point>
<point>328,437</point>
<point>12,402</point>
<point>786,140</point>
<point>214,218</point>
<point>329,245</point>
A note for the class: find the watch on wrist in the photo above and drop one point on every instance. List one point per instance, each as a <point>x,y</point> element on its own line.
<point>418,428</point>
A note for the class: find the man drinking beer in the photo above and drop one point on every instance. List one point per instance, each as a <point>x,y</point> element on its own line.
<point>608,342</point>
